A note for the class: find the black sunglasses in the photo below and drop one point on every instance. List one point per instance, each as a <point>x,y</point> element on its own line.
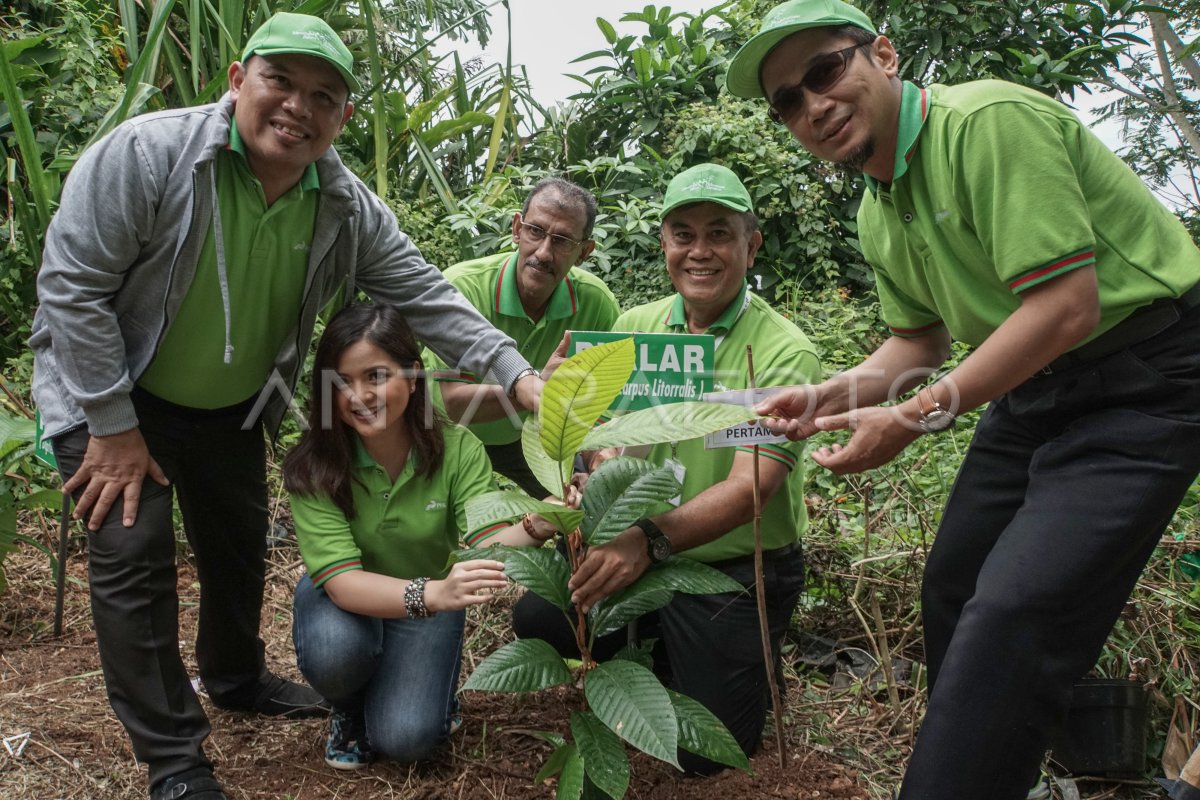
<point>820,78</point>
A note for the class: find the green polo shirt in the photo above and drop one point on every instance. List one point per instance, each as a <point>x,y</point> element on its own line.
<point>266,262</point>
<point>580,302</point>
<point>998,188</point>
<point>783,355</point>
<point>404,528</point>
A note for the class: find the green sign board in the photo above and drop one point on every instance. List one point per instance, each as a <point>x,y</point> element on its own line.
<point>670,367</point>
<point>41,450</point>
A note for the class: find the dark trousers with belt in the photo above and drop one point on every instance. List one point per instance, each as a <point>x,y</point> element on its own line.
<point>218,472</point>
<point>1069,483</point>
<point>710,644</point>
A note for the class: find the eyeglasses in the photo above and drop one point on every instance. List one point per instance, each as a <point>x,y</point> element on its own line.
<point>820,78</point>
<point>558,243</point>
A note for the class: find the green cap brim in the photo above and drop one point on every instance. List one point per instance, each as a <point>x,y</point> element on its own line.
<point>742,79</point>
<point>352,83</point>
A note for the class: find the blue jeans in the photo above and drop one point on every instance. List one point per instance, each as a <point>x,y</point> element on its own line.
<point>400,674</point>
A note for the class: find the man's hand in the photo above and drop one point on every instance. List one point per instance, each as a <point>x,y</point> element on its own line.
<point>792,411</point>
<point>527,391</point>
<point>557,357</point>
<point>113,466</point>
<point>879,434</point>
<point>608,568</point>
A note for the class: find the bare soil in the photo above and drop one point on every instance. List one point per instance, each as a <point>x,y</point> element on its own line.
<point>62,741</point>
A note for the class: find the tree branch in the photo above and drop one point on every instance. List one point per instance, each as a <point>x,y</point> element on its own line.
<point>1159,28</point>
<point>1189,63</point>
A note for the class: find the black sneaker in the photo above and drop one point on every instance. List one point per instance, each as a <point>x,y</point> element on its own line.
<point>279,697</point>
<point>194,784</point>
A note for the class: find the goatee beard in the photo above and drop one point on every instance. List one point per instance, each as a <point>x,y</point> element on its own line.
<point>858,157</point>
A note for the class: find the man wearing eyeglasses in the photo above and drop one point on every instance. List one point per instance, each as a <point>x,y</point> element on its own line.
<point>710,644</point>
<point>992,215</point>
<point>534,295</point>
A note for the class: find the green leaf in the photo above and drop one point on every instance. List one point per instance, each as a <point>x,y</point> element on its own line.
<point>621,491</point>
<point>604,758</point>
<point>49,499</point>
<point>551,474</point>
<point>16,428</point>
<point>484,509</point>
<point>525,665</point>
<point>700,732</point>
<point>610,33</point>
<point>554,763</point>
<point>675,422</point>
<point>487,508</point>
<point>634,705</point>
<point>570,780</point>
<point>580,390</point>
<point>682,574</point>
<point>639,652</point>
<point>541,570</point>
<point>620,608</point>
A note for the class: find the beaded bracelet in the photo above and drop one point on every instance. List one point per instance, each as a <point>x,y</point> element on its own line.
<point>531,531</point>
<point>414,599</point>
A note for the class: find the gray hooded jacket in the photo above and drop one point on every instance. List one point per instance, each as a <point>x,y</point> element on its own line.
<point>121,253</point>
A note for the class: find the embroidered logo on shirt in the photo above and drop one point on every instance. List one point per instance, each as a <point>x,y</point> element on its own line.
<point>302,246</point>
<point>435,505</point>
<point>939,216</point>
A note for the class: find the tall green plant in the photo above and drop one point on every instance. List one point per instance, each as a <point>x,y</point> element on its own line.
<point>624,699</point>
<point>17,491</point>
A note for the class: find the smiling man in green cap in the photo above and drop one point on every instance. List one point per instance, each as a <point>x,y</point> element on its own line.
<point>993,216</point>
<point>710,644</point>
<point>181,279</point>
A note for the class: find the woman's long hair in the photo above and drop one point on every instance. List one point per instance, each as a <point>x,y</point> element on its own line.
<point>322,461</point>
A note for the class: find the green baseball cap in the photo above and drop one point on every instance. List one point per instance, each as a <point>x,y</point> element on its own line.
<point>305,34</point>
<point>781,22</point>
<point>706,183</point>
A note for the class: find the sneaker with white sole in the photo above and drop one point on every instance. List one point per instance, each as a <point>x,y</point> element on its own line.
<point>347,746</point>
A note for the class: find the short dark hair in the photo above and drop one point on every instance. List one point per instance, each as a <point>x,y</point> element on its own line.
<point>855,34</point>
<point>567,195</point>
<point>321,462</point>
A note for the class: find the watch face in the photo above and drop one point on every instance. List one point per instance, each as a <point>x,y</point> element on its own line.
<point>660,549</point>
<point>937,420</point>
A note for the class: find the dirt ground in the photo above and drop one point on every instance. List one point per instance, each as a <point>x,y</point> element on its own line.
<point>62,741</point>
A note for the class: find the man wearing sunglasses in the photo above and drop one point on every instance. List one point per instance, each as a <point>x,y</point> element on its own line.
<point>992,215</point>
<point>534,295</point>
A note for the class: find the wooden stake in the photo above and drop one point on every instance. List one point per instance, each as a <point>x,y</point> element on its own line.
<point>764,627</point>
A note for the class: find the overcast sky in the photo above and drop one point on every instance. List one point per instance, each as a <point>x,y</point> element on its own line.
<point>548,34</point>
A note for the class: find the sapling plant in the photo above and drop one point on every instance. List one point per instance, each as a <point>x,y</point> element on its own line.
<point>623,699</point>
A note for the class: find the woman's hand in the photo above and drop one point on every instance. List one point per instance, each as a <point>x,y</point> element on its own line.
<point>469,583</point>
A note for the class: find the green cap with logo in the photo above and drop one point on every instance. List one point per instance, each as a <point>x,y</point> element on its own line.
<point>305,34</point>
<point>781,22</point>
<point>706,183</point>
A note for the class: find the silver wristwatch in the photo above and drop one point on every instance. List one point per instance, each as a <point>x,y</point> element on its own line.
<point>933,418</point>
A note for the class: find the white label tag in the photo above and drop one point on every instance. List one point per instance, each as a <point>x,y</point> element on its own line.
<point>680,472</point>
<point>746,433</point>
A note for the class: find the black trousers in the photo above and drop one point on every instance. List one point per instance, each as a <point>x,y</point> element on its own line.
<point>710,644</point>
<point>218,471</point>
<point>509,461</point>
<point>1068,485</point>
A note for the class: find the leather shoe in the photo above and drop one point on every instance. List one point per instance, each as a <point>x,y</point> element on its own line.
<point>194,784</point>
<point>279,697</point>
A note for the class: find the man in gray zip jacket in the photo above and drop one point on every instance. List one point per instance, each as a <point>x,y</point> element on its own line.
<point>181,280</point>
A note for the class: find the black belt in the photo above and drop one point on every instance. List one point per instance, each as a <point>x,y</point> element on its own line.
<point>1139,326</point>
